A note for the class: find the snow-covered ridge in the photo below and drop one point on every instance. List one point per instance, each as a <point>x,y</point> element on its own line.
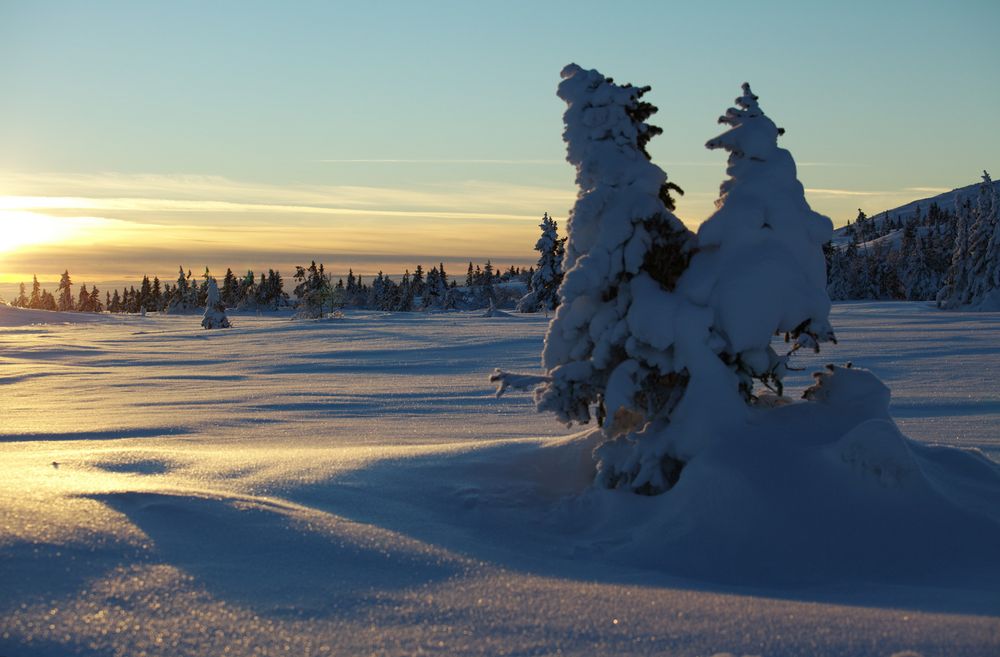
<point>947,201</point>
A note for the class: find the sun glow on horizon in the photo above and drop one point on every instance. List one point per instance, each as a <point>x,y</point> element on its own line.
<point>21,228</point>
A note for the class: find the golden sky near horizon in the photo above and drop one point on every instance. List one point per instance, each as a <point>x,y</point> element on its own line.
<point>118,227</point>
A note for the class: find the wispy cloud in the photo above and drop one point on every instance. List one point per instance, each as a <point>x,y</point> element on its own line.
<point>171,206</point>
<point>821,191</point>
<point>437,161</point>
<point>929,190</point>
<point>219,195</point>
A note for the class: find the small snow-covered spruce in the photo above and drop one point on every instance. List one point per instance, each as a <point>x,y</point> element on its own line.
<point>65,292</point>
<point>548,273</point>
<point>313,291</point>
<point>760,264</point>
<point>625,252</point>
<point>184,298</point>
<point>215,309</point>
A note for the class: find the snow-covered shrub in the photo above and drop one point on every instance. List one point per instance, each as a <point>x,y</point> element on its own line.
<point>215,309</point>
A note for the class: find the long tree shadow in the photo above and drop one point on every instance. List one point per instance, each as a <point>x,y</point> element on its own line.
<point>489,507</point>
<point>99,434</point>
<point>267,559</point>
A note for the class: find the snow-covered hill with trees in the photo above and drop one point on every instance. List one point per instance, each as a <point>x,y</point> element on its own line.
<point>915,251</point>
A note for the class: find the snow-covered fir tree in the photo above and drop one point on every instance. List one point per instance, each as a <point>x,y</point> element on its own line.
<point>417,282</point>
<point>984,249</point>
<point>548,273</point>
<point>312,291</point>
<point>35,301</point>
<point>973,278</point>
<point>215,308</point>
<point>760,264</point>
<point>146,301</point>
<point>247,292</point>
<point>436,289</point>
<point>83,302</point>
<point>65,292</point>
<point>183,299</point>
<point>624,255</point>
<point>156,295</point>
<point>22,298</point>
<point>229,287</point>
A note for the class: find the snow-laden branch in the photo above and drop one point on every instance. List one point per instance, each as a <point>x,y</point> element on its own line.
<point>516,381</point>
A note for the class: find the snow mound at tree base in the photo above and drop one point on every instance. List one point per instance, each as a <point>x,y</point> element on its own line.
<point>825,495</point>
<point>813,493</point>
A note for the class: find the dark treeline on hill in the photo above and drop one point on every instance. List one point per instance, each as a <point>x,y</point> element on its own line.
<point>316,293</point>
<point>887,258</point>
<point>929,253</point>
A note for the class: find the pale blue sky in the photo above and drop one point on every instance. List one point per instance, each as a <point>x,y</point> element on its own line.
<point>273,102</point>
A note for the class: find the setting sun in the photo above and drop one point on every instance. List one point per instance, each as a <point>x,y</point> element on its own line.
<point>19,228</point>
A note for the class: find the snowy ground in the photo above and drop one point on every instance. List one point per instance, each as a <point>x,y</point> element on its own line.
<point>352,487</point>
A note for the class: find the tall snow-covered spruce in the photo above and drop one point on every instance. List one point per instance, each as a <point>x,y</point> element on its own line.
<point>215,309</point>
<point>624,255</point>
<point>760,265</point>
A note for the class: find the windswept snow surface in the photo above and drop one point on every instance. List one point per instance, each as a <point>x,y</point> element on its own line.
<point>352,487</point>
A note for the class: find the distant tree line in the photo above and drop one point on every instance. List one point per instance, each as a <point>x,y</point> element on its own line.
<point>315,293</point>
<point>42,299</point>
<point>951,256</point>
<point>874,265</point>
